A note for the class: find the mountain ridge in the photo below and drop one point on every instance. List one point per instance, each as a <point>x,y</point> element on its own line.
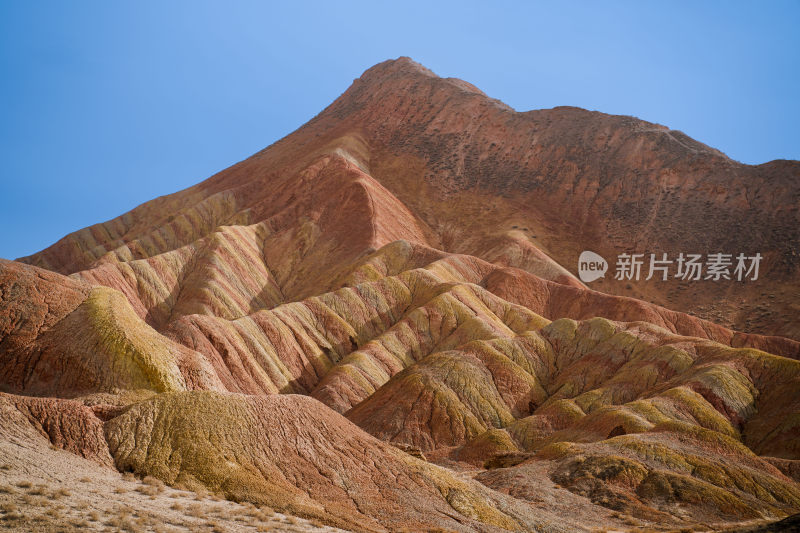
<point>393,286</point>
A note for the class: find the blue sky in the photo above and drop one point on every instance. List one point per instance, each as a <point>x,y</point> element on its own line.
<point>106,105</point>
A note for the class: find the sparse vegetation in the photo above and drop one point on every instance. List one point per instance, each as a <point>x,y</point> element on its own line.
<point>60,493</point>
<point>9,507</point>
<point>28,499</point>
<point>197,511</point>
<point>153,482</point>
<point>38,490</point>
<point>215,526</point>
<point>147,490</point>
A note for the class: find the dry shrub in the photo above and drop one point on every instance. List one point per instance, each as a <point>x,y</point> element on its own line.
<point>38,490</point>
<point>60,493</point>
<point>11,515</point>
<point>123,522</point>
<point>267,510</point>
<point>153,482</point>
<point>196,511</point>
<point>27,499</point>
<point>215,526</point>
<point>147,490</point>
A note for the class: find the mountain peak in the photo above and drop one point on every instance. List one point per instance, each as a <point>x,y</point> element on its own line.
<point>403,65</point>
<point>404,71</point>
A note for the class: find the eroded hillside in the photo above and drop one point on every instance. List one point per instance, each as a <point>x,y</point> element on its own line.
<point>375,324</point>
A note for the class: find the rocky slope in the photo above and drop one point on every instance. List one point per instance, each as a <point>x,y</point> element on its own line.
<point>375,323</point>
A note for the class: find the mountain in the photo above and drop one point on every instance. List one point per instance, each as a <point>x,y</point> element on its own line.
<point>376,323</point>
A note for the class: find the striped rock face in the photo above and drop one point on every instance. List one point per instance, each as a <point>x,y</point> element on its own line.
<point>375,324</point>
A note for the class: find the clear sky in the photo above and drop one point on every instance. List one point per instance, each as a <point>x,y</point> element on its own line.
<point>105,105</point>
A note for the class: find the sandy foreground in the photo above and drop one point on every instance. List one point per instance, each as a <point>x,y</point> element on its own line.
<point>44,489</point>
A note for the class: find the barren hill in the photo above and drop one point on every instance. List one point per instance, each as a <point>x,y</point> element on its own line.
<point>376,323</point>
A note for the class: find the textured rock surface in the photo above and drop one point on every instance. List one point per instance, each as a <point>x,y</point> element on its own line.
<point>374,323</point>
<point>404,154</point>
<point>45,488</point>
<point>296,455</point>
